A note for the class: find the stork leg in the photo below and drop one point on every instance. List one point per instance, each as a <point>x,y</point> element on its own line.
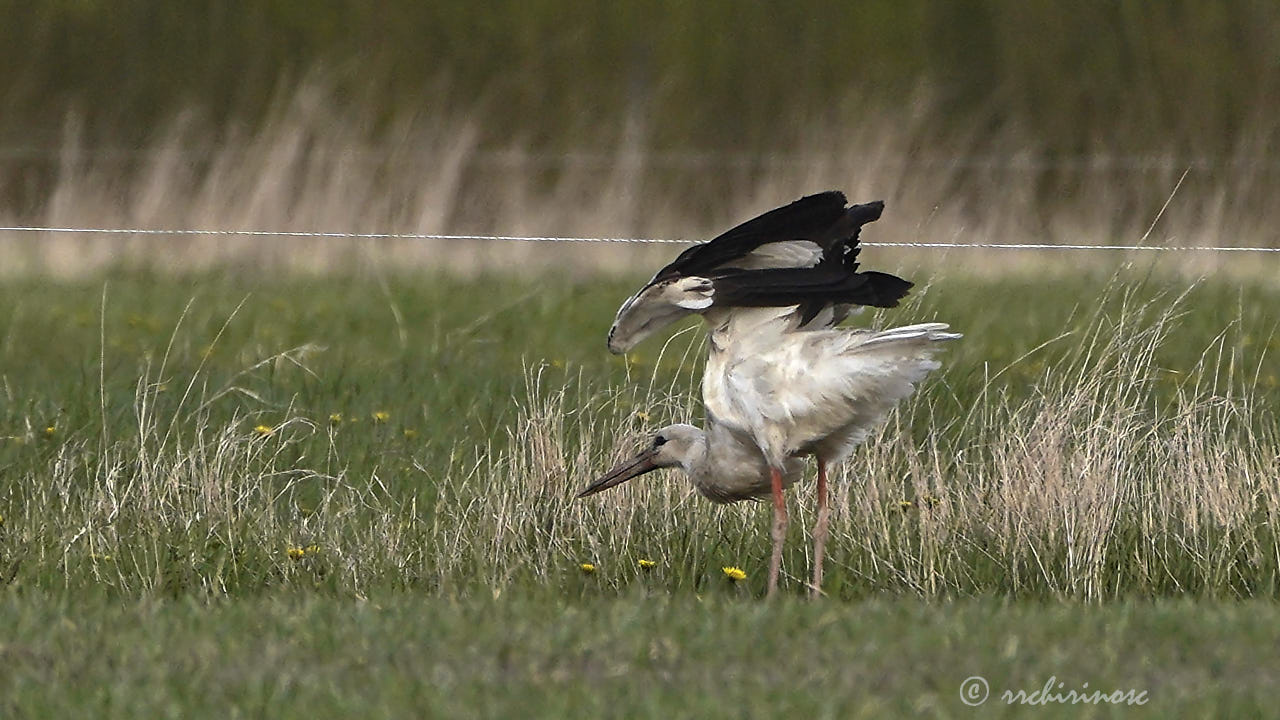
<point>820,529</point>
<point>779,530</point>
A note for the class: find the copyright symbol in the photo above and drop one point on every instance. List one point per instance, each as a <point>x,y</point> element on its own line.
<point>974,691</point>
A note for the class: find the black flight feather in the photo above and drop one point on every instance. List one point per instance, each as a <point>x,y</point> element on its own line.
<point>814,288</point>
<point>815,217</point>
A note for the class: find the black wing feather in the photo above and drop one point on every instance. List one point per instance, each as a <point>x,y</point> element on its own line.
<point>814,217</point>
<point>835,280</point>
<point>821,219</point>
<point>812,287</point>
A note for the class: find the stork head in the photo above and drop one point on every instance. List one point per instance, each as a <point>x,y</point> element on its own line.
<point>672,446</point>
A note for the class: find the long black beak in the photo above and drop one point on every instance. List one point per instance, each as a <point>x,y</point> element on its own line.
<point>635,467</point>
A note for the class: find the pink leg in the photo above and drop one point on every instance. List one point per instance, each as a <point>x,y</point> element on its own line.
<point>820,529</point>
<point>779,530</point>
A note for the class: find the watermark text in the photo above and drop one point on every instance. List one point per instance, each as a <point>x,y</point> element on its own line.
<point>975,690</point>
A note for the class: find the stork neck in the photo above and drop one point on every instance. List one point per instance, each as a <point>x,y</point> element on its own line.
<point>695,463</point>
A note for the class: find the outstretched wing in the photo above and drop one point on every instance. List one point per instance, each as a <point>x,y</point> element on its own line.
<point>835,281</point>
<point>803,230</point>
<point>801,254</point>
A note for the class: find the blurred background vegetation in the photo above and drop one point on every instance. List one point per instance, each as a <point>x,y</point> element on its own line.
<point>1136,91</point>
<point>1185,75</point>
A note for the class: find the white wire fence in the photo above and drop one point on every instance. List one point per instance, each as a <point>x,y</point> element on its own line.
<point>177,232</point>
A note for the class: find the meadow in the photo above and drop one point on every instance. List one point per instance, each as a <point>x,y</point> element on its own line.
<point>302,476</point>
<point>256,475</point>
<point>353,494</point>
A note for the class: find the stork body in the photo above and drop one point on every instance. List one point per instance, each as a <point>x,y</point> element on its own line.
<point>776,393</point>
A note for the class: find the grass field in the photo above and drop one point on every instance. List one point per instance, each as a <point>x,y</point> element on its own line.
<point>240,494</point>
<point>644,655</point>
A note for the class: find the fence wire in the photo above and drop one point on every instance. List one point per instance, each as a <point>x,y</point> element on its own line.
<point>642,241</point>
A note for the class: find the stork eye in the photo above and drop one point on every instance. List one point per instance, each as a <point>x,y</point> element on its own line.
<point>659,441</point>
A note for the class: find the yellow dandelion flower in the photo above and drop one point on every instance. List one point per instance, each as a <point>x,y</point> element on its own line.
<point>264,430</point>
<point>648,565</point>
<point>312,549</point>
<point>587,568</point>
<point>335,417</point>
<point>296,553</point>
<point>905,505</point>
<point>930,500</point>
<point>642,415</point>
<point>734,573</point>
<point>51,430</point>
<point>410,434</point>
<point>381,416</point>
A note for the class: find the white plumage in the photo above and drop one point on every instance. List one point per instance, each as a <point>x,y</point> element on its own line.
<point>770,404</point>
<point>815,392</point>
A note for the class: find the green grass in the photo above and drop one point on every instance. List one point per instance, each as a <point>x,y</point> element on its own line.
<point>447,358</point>
<point>653,655</point>
<point>442,357</point>
<point>145,524</point>
<point>430,433</point>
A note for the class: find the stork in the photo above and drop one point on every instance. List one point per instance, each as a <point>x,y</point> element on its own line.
<point>781,382</point>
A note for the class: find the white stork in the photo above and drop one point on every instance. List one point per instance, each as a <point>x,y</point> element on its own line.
<point>782,382</point>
